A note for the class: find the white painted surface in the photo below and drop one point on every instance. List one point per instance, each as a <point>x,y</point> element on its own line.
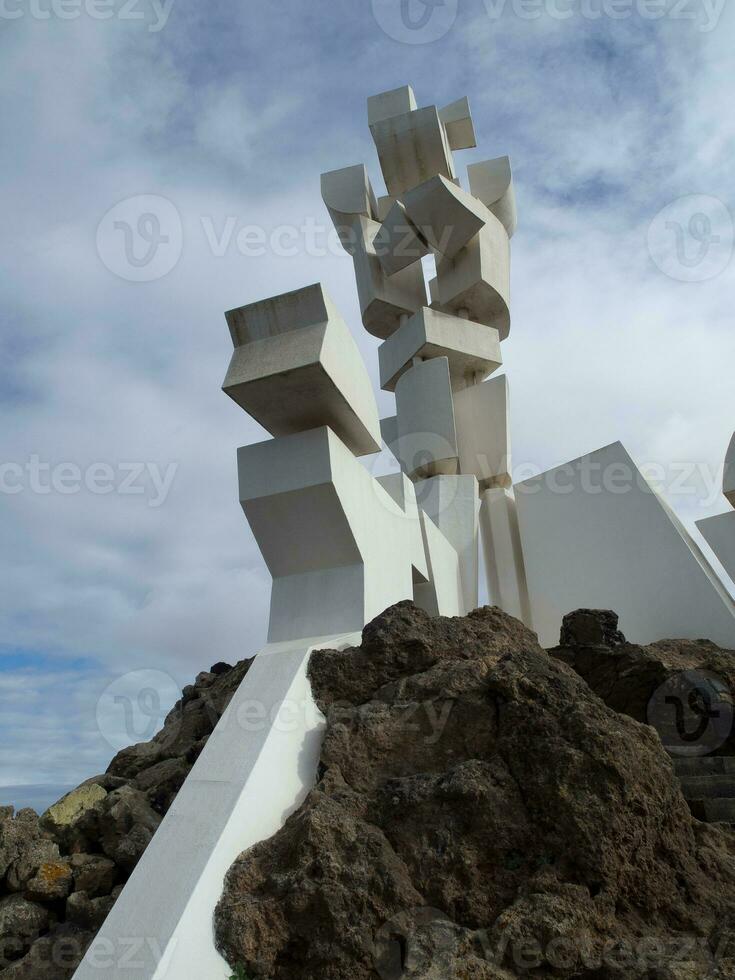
<point>482,414</point>
<point>596,535</point>
<point>492,182</point>
<point>412,147</point>
<point>457,120</point>
<point>452,503</point>
<point>503,554</point>
<point>256,769</point>
<point>427,436</point>
<point>446,216</point>
<point>719,533</point>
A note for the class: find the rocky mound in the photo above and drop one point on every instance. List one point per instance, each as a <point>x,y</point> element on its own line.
<point>61,873</point>
<point>480,813</point>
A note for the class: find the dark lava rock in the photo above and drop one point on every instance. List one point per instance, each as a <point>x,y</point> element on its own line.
<point>481,813</point>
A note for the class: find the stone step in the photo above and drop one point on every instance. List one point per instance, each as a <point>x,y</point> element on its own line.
<point>706,765</point>
<point>713,811</point>
<point>712,787</point>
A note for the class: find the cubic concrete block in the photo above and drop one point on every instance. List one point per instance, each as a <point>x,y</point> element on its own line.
<point>396,102</point>
<point>472,349</point>
<point>384,300</point>
<point>385,203</point>
<point>492,182</point>
<point>728,481</point>
<point>596,535</point>
<point>719,533</point>
<point>476,281</point>
<point>412,147</point>
<point>447,217</point>
<point>338,546</point>
<point>482,414</point>
<point>427,436</point>
<point>501,544</point>
<point>296,366</point>
<point>348,192</point>
<point>452,503</point>
<point>457,120</point>
<point>399,243</point>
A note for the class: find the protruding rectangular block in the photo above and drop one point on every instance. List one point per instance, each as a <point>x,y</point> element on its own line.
<point>445,215</point>
<point>412,148</point>
<point>427,436</point>
<point>482,415</point>
<point>472,349</point>
<point>492,182</point>
<point>296,366</point>
<point>457,120</point>
<point>384,299</point>
<point>501,543</point>
<point>719,533</point>
<point>399,243</point>
<point>595,535</point>
<point>388,104</point>
<point>477,279</point>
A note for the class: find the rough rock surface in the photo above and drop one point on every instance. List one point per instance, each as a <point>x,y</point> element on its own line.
<point>480,813</point>
<point>61,873</point>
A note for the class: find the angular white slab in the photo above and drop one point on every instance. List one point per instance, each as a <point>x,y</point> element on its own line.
<point>477,279</point>
<point>482,414</point>
<point>338,546</point>
<point>619,549</point>
<point>161,927</point>
<point>457,120</point>
<point>472,349</point>
<point>442,594</point>
<point>348,192</point>
<point>427,436</point>
<point>396,102</point>
<point>503,554</point>
<point>398,243</point>
<point>296,366</point>
<point>384,300</point>
<point>447,217</point>
<point>452,503</point>
<point>728,481</point>
<point>492,182</point>
<point>411,148</point>
<point>719,533</point>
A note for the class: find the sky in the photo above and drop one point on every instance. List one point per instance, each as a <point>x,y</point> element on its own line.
<point>160,164</point>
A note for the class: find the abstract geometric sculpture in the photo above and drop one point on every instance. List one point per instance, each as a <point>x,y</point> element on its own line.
<point>719,531</point>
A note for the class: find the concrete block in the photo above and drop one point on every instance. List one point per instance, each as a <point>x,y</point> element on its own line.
<point>385,203</point>
<point>398,243</point>
<point>348,192</point>
<point>492,182</point>
<point>291,490</point>
<point>482,414</point>
<point>476,281</point>
<point>296,366</point>
<point>442,594</point>
<point>384,300</point>
<point>457,120</point>
<point>447,217</point>
<point>397,102</point>
<point>452,503</point>
<point>427,436</point>
<point>412,148</point>
<point>596,535</point>
<point>501,544</point>
<point>719,533</point>
<point>472,349</point>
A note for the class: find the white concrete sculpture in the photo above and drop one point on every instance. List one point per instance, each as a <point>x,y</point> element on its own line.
<point>719,531</point>
<point>595,534</point>
<point>342,545</point>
